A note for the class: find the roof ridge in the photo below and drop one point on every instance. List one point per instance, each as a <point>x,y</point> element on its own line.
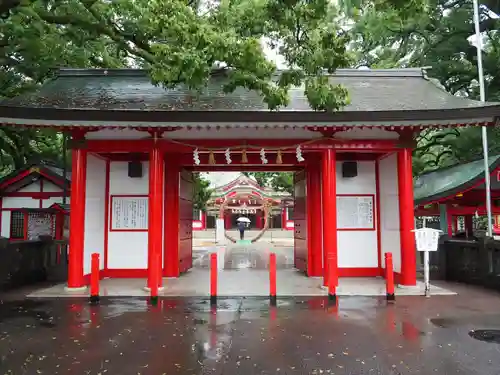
<point>343,72</point>
<point>456,165</point>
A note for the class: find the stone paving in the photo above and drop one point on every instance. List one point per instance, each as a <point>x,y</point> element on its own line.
<point>243,272</point>
<point>245,336</point>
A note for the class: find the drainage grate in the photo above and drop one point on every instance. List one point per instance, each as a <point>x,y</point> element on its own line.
<point>487,335</point>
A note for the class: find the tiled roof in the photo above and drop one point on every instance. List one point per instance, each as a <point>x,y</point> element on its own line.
<point>130,89</point>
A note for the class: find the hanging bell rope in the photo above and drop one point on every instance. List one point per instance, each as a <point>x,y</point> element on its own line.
<point>244,157</point>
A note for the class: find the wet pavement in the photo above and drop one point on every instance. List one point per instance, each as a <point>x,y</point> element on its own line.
<point>360,335</point>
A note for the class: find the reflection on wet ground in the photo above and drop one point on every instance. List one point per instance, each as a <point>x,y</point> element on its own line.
<point>254,256</point>
<point>359,335</point>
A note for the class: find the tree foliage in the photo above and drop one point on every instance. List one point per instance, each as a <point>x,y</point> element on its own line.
<point>201,192</point>
<point>179,42</point>
<point>437,36</point>
<point>185,42</point>
<point>279,181</point>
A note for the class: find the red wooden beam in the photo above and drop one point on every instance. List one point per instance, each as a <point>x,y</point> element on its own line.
<point>186,159</point>
<point>244,167</point>
<point>169,145</point>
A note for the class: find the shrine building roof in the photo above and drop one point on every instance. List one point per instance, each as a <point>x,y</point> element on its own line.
<point>446,183</point>
<point>27,174</point>
<point>99,98</point>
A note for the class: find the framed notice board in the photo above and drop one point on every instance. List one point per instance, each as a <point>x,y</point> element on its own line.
<point>129,213</point>
<point>355,212</point>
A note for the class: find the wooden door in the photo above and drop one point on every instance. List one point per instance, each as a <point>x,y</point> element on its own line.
<point>185,220</point>
<point>300,221</point>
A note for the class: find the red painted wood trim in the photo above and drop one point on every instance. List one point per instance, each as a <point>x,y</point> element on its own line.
<point>35,194</point>
<point>110,224</point>
<point>14,179</point>
<point>378,216</point>
<point>374,205</point>
<point>171,228</point>
<point>1,210</point>
<point>329,204</point>
<point>358,272</point>
<point>155,216</point>
<point>25,225</point>
<point>58,181</point>
<point>77,218</point>
<point>167,145</point>
<point>107,222</point>
<point>203,219</point>
<point>314,228</point>
<point>186,159</point>
<point>406,218</point>
<point>40,203</point>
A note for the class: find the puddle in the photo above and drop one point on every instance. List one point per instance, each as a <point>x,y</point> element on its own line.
<point>444,322</point>
<point>486,335</point>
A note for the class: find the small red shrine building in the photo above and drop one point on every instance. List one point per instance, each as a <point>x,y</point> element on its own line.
<point>458,191</point>
<point>135,146</point>
<point>243,196</point>
<point>29,202</point>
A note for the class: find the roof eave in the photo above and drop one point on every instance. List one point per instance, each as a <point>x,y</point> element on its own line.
<point>451,193</point>
<point>50,117</point>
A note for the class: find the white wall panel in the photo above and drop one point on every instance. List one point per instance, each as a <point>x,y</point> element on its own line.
<point>127,250</point>
<point>389,209</point>
<point>95,199</point>
<point>20,202</point>
<point>5,228</point>
<point>358,249</point>
<point>49,187</point>
<point>33,187</point>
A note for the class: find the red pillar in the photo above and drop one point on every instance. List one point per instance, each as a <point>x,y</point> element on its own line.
<point>329,204</point>
<point>406,218</point>
<point>227,220</point>
<point>314,229</point>
<point>259,220</point>
<point>155,218</point>
<point>469,228</point>
<point>77,218</point>
<point>171,238</point>
<point>283,218</point>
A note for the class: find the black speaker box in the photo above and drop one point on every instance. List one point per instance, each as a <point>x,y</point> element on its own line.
<point>349,169</point>
<point>135,169</point>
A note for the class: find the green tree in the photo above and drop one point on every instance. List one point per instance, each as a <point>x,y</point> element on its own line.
<point>438,36</point>
<point>279,181</point>
<point>201,192</point>
<point>185,42</point>
<point>179,43</point>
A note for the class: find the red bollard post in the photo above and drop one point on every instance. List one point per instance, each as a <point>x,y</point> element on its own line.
<point>156,279</point>
<point>94,279</point>
<point>389,277</point>
<point>272,279</point>
<point>213,279</point>
<point>332,266</point>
